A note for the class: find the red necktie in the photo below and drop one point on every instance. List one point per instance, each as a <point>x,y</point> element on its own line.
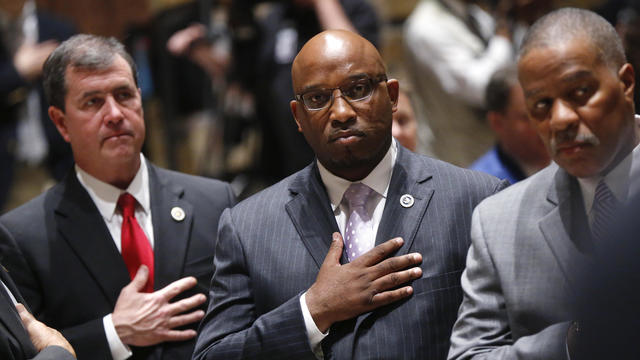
<point>136,249</point>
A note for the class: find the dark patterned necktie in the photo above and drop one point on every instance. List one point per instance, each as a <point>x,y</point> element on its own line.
<point>603,211</point>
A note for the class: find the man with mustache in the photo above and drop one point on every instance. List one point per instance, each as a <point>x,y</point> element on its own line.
<point>117,256</point>
<point>357,256</point>
<point>530,242</point>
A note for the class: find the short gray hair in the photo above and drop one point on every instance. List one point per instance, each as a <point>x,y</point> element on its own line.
<point>569,23</point>
<point>81,51</point>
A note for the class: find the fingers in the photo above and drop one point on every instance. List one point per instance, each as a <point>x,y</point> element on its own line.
<point>178,335</point>
<point>170,291</point>
<point>388,297</point>
<point>186,304</point>
<point>396,279</point>
<point>380,252</point>
<point>335,250</point>
<point>185,319</point>
<point>396,264</point>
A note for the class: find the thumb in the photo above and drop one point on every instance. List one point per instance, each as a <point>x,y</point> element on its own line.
<point>25,315</point>
<point>140,280</point>
<point>335,250</point>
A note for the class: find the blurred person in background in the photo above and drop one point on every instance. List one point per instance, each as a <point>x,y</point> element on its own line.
<point>519,151</point>
<point>27,37</point>
<point>262,54</point>
<point>405,124</point>
<point>453,48</point>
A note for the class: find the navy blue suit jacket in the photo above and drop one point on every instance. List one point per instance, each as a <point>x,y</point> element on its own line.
<point>271,246</point>
<point>63,259</point>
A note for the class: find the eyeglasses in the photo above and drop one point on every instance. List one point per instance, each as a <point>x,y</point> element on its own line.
<point>357,90</point>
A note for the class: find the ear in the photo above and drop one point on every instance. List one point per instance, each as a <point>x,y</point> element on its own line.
<point>627,76</point>
<point>495,120</point>
<point>393,89</point>
<point>59,120</point>
<point>294,107</point>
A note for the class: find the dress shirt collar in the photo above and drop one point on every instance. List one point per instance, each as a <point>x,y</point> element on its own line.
<point>105,196</point>
<point>378,179</point>
<point>618,179</point>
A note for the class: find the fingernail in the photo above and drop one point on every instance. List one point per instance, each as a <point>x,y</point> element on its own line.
<point>417,257</point>
<point>417,271</point>
<point>336,237</point>
<point>399,241</point>
<point>409,290</point>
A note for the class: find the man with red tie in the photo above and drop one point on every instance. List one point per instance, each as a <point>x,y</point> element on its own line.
<point>118,255</point>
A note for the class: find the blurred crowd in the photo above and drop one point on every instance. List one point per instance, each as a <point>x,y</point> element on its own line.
<point>216,83</point>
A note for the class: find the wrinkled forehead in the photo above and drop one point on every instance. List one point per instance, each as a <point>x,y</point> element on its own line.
<point>333,59</point>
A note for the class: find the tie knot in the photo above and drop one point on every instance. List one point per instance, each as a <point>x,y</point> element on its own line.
<point>357,195</point>
<point>127,204</point>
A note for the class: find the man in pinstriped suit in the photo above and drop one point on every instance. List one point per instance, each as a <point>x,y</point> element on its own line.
<point>282,288</point>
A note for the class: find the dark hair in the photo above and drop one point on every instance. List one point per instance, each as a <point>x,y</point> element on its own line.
<point>499,88</point>
<point>569,23</point>
<point>81,51</point>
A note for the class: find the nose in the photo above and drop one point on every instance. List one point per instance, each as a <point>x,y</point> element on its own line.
<point>113,112</point>
<point>340,111</point>
<point>563,116</point>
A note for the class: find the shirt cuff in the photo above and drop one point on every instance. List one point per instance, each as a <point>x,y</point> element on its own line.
<point>119,350</point>
<point>314,334</point>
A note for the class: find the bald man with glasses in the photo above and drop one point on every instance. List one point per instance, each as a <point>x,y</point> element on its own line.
<point>358,255</point>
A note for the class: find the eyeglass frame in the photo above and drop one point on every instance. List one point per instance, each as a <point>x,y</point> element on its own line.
<point>372,81</point>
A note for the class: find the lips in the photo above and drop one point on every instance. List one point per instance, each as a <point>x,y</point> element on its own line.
<point>570,147</point>
<point>345,135</point>
<point>118,135</point>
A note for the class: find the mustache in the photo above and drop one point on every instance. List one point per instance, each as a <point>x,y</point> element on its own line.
<point>572,137</point>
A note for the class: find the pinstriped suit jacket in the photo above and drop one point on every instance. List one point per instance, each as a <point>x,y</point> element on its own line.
<point>271,246</point>
<point>528,249</point>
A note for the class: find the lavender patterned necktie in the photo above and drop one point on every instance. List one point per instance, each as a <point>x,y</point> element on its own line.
<point>359,229</point>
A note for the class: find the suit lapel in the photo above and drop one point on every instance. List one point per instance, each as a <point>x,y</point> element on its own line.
<point>398,220</point>
<point>171,236</point>
<point>564,226</point>
<point>310,212</point>
<point>82,226</point>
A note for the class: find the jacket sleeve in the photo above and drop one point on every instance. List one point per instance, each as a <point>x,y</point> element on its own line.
<point>231,329</point>
<point>54,353</point>
<point>482,329</point>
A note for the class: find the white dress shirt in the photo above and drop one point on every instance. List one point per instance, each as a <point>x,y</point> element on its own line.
<point>378,179</point>
<point>105,196</point>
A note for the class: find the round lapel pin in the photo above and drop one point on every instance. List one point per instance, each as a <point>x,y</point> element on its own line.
<point>177,213</point>
<point>406,201</point>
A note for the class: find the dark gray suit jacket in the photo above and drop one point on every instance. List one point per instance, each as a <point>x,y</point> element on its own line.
<point>271,247</point>
<point>529,245</point>
<point>70,272</point>
<point>15,343</point>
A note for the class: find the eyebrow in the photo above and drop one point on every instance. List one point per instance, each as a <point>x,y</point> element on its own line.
<point>96,92</point>
<point>572,77</point>
<point>349,78</point>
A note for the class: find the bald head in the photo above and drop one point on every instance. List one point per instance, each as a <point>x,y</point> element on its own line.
<point>347,115</point>
<point>334,48</point>
<point>566,24</point>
